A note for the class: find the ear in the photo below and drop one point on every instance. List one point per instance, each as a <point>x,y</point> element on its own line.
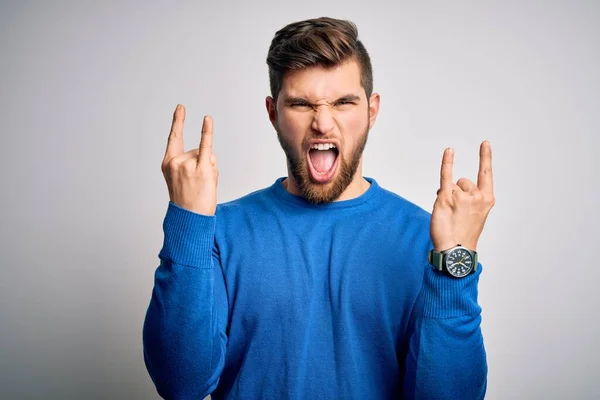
<point>271,110</point>
<point>373,108</point>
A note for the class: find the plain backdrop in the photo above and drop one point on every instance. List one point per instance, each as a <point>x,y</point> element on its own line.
<point>87,92</point>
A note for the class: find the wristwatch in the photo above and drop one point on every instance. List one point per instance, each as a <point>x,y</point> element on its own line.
<point>457,261</point>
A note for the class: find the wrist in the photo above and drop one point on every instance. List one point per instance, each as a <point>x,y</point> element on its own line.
<point>457,261</point>
<point>471,245</point>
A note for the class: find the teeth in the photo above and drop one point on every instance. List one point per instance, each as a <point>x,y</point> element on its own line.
<point>323,146</point>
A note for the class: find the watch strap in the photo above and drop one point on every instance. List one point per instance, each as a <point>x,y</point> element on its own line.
<point>436,259</point>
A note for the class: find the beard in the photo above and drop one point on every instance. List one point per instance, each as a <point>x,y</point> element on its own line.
<point>322,193</point>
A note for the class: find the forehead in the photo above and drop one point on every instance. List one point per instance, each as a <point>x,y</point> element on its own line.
<point>319,82</point>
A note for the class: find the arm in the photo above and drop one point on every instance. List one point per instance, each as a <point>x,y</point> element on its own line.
<point>184,330</point>
<point>446,357</point>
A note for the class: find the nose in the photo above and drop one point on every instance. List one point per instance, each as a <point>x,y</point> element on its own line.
<point>322,119</point>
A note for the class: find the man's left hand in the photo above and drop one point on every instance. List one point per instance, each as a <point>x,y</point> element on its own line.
<point>461,208</point>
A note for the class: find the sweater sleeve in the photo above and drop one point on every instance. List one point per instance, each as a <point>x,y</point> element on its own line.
<point>446,357</point>
<point>184,334</point>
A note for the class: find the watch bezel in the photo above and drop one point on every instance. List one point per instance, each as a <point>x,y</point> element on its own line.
<point>447,253</point>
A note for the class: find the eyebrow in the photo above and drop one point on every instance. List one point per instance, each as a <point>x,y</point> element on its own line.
<point>293,100</point>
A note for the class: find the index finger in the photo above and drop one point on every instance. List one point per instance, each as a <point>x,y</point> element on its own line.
<point>484,176</point>
<point>206,139</point>
<point>175,142</point>
<point>446,170</point>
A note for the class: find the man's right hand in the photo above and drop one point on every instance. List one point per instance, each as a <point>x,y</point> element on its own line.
<point>191,176</point>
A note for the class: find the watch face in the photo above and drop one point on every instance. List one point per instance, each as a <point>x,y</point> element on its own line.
<point>459,262</point>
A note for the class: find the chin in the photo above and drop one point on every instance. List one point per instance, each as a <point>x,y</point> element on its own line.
<point>322,189</point>
<point>317,192</point>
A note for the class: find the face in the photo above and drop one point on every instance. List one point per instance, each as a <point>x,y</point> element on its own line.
<point>322,118</point>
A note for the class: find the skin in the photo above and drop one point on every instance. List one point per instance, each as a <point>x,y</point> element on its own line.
<point>460,209</point>
<point>324,103</point>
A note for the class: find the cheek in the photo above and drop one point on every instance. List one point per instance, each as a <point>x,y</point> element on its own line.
<point>352,124</point>
<point>293,127</point>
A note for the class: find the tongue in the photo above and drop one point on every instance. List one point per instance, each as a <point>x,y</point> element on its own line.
<point>322,160</point>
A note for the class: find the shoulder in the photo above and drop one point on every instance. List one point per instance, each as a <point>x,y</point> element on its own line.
<point>403,207</point>
<point>253,203</point>
<point>407,219</point>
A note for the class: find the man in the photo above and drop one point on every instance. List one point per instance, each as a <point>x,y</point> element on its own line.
<point>324,284</point>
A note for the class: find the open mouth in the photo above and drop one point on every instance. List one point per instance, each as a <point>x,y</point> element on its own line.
<point>322,161</point>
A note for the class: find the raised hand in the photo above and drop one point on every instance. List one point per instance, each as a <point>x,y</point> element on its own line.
<point>461,208</point>
<point>191,177</point>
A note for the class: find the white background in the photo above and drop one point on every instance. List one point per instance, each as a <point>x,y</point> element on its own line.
<point>86,97</point>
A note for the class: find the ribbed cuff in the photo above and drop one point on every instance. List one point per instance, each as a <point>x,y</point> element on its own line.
<point>448,297</point>
<point>189,237</point>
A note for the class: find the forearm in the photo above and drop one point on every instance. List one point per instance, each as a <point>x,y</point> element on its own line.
<point>446,356</point>
<point>183,344</point>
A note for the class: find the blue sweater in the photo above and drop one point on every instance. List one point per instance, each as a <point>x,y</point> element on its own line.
<point>276,298</point>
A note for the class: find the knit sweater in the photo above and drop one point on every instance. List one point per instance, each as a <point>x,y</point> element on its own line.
<point>276,298</point>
